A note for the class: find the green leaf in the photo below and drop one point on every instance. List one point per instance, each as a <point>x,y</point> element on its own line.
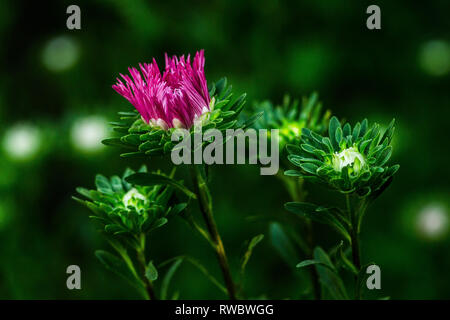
<point>356,130</point>
<point>176,209</point>
<point>220,85</point>
<point>347,130</point>
<point>306,263</point>
<point>255,240</point>
<point>338,135</point>
<point>152,179</point>
<point>346,262</point>
<point>136,154</point>
<point>293,149</point>
<point>83,202</point>
<point>201,268</point>
<point>318,214</point>
<point>149,145</point>
<point>362,278</point>
<point>139,126</point>
<point>152,135</point>
<point>389,132</point>
<point>168,277</point>
<point>114,228</point>
<point>239,103</point>
<point>374,195</point>
<point>220,104</point>
<point>317,139</point>
<point>133,139</point>
<point>283,244</point>
<point>308,148</point>
<point>309,167</point>
<point>384,156</point>
<point>102,184</point>
<point>118,266</point>
<point>308,106</point>
<point>155,152</point>
<point>293,173</point>
<point>227,125</point>
<point>364,126</point>
<point>84,192</point>
<point>392,170</point>
<point>329,278</point>
<point>127,113</point>
<point>116,184</point>
<point>94,208</point>
<point>364,145</point>
<point>150,272</point>
<point>116,142</point>
<point>158,223</point>
<point>326,141</point>
<point>332,128</point>
<point>252,120</point>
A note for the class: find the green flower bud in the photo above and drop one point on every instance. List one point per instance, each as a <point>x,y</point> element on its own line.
<point>134,199</point>
<point>348,157</point>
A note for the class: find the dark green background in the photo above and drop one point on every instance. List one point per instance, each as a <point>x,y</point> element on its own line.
<point>265,48</point>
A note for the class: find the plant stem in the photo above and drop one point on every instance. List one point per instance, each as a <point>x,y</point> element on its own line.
<point>205,202</point>
<point>313,271</point>
<point>298,194</point>
<point>148,285</point>
<point>354,215</point>
<point>355,250</point>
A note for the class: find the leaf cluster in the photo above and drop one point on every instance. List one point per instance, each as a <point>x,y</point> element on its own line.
<point>142,139</point>
<point>315,154</point>
<point>292,116</point>
<point>126,221</point>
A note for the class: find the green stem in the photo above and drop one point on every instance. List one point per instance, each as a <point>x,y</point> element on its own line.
<point>204,199</point>
<point>354,234</point>
<point>354,216</point>
<point>148,285</point>
<point>313,271</point>
<point>298,194</point>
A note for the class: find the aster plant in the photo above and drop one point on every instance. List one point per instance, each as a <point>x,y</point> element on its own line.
<point>354,162</point>
<point>178,98</point>
<point>127,215</point>
<point>351,161</point>
<point>290,117</point>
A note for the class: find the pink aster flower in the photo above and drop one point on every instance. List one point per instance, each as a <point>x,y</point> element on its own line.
<point>175,98</point>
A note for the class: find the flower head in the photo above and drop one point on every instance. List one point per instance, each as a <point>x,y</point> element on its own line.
<point>291,117</point>
<point>171,100</point>
<point>348,157</point>
<point>127,211</point>
<point>349,160</point>
<point>134,199</point>
<point>143,135</point>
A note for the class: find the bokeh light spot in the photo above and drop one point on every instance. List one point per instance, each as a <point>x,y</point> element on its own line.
<point>88,132</point>
<point>435,57</point>
<point>60,54</point>
<point>22,141</point>
<point>432,221</point>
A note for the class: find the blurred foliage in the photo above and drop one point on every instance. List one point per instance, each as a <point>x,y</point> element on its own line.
<point>53,77</point>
